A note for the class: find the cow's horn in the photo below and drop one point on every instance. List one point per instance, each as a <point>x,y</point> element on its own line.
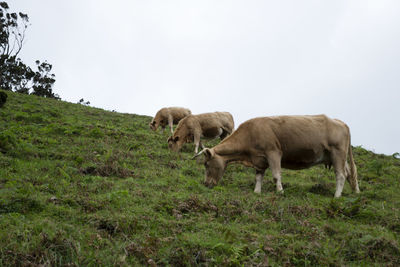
<point>198,154</point>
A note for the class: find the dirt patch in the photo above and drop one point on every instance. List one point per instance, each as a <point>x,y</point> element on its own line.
<point>108,169</point>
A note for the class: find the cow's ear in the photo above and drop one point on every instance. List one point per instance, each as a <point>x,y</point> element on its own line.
<point>176,138</point>
<point>169,139</point>
<point>208,153</point>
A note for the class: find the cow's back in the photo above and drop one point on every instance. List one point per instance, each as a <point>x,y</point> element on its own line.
<point>300,132</point>
<point>162,113</point>
<point>178,113</point>
<point>293,136</point>
<point>214,119</point>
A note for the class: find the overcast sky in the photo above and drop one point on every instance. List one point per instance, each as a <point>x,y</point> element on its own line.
<point>251,58</point>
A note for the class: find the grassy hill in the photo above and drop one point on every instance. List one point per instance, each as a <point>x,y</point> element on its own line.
<point>84,186</point>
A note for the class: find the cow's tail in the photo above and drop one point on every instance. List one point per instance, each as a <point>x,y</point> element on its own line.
<point>353,170</point>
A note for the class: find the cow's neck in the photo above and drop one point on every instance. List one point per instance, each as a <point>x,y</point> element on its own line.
<point>231,153</point>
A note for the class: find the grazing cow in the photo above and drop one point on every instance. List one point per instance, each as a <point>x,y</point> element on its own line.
<point>194,127</point>
<point>292,142</point>
<point>168,116</point>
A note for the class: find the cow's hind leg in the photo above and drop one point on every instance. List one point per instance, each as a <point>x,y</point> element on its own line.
<point>340,178</point>
<point>352,180</point>
<point>274,162</point>
<point>339,163</point>
<point>259,177</point>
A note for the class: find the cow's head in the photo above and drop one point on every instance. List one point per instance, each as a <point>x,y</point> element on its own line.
<point>153,125</point>
<point>175,143</point>
<point>215,167</point>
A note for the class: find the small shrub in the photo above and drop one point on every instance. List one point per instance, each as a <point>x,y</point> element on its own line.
<point>96,133</point>
<point>55,129</point>
<point>73,131</point>
<point>37,118</point>
<point>54,113</point>
<point>345,208</point>
<point>108,169</point>
<point>8,141</point>
<point>375,248</point>
<point>57,249</point>
<point>24,150</point>
<point>383,249</point>
<point>21,205</point>
<point>78,160</point>
<point>21,116</point>
<point>378,166</point>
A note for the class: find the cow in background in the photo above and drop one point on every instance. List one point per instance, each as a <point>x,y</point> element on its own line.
<point>194,127</point>
<point>168,116</point>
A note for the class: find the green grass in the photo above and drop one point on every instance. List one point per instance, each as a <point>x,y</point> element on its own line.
<point>84,186</point>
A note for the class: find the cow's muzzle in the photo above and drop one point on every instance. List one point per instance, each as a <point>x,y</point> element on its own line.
<point>210,184</point>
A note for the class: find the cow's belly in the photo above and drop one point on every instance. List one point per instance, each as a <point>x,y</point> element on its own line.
<point>305,158</point>
<point>212,132</point>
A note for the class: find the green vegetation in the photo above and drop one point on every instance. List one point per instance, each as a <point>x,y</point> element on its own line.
<point>15,75</point>
<point>84,186</point>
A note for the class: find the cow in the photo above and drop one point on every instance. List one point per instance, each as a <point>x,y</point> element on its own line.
<point>168,116</point>
<point>206,125</point>
<point>291,142</point>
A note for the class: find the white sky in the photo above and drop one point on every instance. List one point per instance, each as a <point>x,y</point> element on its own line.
<point>251,58</point>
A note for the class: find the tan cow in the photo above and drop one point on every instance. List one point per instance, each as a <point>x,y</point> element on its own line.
<point>292,142</point>
<point>206,125</point>
<point>168,116</point>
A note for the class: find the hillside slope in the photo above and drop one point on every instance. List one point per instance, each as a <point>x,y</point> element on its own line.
<point>84,186</point>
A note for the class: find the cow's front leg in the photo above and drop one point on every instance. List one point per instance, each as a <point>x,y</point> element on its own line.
<point>259,177</point>
<point>277,177</point>
<point>201,145</point>
<point>197,143</point>
<point>171,124</point>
